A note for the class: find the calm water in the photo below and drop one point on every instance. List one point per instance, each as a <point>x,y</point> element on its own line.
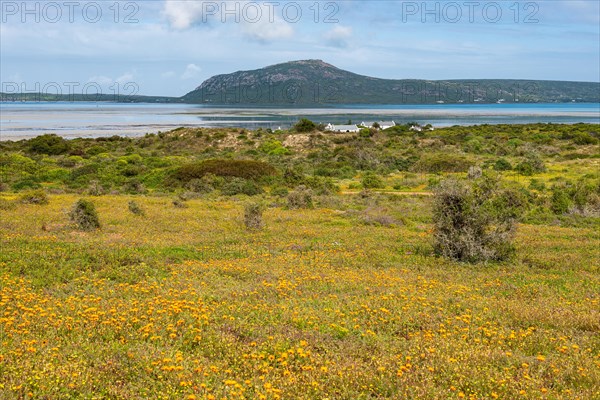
<point>72,119</point>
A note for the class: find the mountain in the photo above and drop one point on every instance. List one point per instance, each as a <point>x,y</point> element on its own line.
<point>315,82</point>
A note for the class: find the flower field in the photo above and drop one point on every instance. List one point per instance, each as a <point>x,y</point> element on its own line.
<point>185,303</point>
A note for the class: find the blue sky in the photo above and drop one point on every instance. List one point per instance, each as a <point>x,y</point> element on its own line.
<point>168,47</point>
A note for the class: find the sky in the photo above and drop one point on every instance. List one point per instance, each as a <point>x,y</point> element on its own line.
<point>169,47</point>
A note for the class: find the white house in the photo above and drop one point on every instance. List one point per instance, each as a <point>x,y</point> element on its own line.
<point>382,124</point>
<point>386,124</point>
<point>416,128</point>
<point>342,128</point>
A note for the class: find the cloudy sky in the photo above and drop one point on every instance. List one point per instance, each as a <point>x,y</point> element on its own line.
<point>168,47</point>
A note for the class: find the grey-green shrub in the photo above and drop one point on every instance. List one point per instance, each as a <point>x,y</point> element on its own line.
<point>253,216</point>
<point>474,221</point>
<point>301,197</point>
<point>135,208</point>
<point>84,215</point>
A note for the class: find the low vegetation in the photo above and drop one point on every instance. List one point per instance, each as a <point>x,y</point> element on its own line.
<point>203,264</point>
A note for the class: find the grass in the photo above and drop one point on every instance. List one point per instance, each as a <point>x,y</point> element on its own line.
<point>186,303</point>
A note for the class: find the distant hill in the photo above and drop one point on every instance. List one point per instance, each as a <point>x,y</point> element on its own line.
<point>314,82</point>
<point>93,97</point>
<point>317,83</point>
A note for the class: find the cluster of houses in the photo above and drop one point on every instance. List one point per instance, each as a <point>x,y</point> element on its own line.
<point>367,124</point>
<point>356,128</point>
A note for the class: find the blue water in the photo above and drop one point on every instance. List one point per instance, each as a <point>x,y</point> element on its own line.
<point>79,119</point>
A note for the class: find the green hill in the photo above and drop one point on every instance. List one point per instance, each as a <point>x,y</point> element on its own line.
<point>314,82</point>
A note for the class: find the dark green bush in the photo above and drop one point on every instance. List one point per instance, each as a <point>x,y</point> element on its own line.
<point>246,169</point>
<point>84,215</point>
<point>502,165</point>
<point>442,162</point>
<point>371,180</point>
<point>49,144</point>
<point>305,125</point>
<point>26,183</point>
<point>560,201</point>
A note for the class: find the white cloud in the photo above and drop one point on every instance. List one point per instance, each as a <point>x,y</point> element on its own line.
<point>265,31</point>
<point>338,36</point>
<point>256,21</point>
<point>191,71</point>
<point>183,14</point>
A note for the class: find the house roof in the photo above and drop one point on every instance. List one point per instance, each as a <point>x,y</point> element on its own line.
<point>390,123</point>
<point>344,127</point>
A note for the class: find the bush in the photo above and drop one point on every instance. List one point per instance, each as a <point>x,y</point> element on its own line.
<point>280,191</point>
<point>560,201</point>
<point>34,197</point>
<point>371,180</point>
<point>474,222</point>
<point>84,215</point>
<point>49,144</point>
<point>253,216</point>
<point>531,165</point>
<point>302,197</point>
<point>246,169</point>
<point>135,208</point>
<point>305,125</point>
<point>502,165</point>
<point>442,162</point>
<point>240,186</point>
<point>321,185</point>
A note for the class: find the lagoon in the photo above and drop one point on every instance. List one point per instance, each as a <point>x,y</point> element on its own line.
<point>21,120</point>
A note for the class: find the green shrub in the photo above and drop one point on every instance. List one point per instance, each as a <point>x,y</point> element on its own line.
<point>84,215</point>
<point>253,216</point>
<point>442,162</point>
<point>305,125</point>
<point>531,165</point>
<point>274,148</point>
<point>321,185</point>
<point>560,203</point>
<point>292,176</point>
<point>474,222</point>
<point>502,165</point>
<point>26,183</point>
<point>279,191</point>
<point>34,197</point>
<point>534,184</point>
<point>236,186</point>
<point>246,169</point>
<point>49,144</point>
<point>370,180</point>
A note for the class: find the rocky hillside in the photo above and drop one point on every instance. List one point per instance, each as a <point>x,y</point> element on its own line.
<point>315,82</point>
